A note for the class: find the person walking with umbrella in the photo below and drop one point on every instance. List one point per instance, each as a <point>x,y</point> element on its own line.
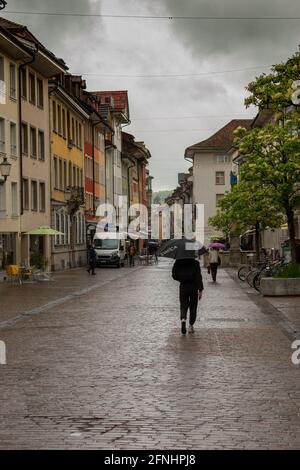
<point>186,270</point>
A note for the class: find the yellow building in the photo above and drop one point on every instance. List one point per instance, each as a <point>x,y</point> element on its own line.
<point>67,122</point>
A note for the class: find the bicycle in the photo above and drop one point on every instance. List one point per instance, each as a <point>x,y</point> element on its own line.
<point>268,271</point>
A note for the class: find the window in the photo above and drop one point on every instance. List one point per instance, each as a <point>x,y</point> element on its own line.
<point>68,126</point>
<point>55,174</point>
<point>64,123</point>
<point>222,159</point>
<point>2,135</point>
<point>62,227</point>
<point>67,231</point>
<point>80,135</point>
<point>70,174</point>
<point>32,88</point>
<point>2,68</point>
<point>24,131</point>
<point>40,93</point>
<point>13,139</point>
<point>220,177</point>
<point>34,201</point>
<point>42,197</point>
<point>76,138</point>
<point>57,227</point>
<point>14,199</point>
<point>218,198</point>
<point>33,142</point>
<point>65,174</point>
<point>59,119</point>
<point>73,130</point>
<point>13,81</point>
<point>2,197</point>
<point>2,82</point>
<point>24,83</point>
<point>25,194</point>
<point>60,174</point>
<point>41,145</point>
<point>54,115</point>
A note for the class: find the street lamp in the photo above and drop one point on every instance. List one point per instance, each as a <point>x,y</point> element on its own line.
<point>5,168</point>
<point>68,194</point>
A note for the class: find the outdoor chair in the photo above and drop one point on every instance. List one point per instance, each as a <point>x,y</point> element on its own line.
<point>13,274</point>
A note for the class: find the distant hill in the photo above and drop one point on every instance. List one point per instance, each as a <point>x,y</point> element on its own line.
<point>158,197</point>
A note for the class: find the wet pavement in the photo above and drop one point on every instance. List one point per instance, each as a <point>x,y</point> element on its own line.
<point>99,363</point>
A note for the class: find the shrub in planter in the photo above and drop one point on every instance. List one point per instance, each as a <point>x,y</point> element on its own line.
<point>289,271</point>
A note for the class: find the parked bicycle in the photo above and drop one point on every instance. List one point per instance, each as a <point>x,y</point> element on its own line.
<point>268,271</point>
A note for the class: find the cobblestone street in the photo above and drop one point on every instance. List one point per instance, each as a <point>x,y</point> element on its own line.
<point>99,363</point>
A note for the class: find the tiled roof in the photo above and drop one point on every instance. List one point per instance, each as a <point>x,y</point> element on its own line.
<point>21,32</point>
<point>10,24</point>
<point>223,139</point>
<point>120,98</point>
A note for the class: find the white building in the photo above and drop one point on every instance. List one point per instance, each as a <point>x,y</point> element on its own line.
<point>118,102</point>
<point>211,169</point>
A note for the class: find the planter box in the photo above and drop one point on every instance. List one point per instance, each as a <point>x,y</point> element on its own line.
<point>270,286</point>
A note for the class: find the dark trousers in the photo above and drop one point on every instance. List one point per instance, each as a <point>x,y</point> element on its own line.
<point>91,267</point>
<point>213,270</point>
<point>188,296</point>
<point>131,260</point>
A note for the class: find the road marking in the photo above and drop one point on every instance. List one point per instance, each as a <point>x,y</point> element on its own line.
<point>2,353</point>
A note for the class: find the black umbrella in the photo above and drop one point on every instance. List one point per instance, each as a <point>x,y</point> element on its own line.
<point>182,248</point>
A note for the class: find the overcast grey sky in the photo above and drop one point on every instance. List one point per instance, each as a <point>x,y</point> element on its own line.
<point>168,113</point>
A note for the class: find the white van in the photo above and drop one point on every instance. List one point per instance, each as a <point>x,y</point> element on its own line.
<point>110,251</point>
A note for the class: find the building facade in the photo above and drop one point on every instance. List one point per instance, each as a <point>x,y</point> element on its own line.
<point>212,166</point>
<point>68,121</point>
<point>30,137</point>
<point>10,204</point>
<point>119,106</point>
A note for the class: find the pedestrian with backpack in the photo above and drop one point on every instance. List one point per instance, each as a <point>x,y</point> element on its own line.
<point>188,273</point>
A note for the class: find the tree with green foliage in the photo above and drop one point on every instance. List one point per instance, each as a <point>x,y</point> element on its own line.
<point>272,163</point>
<point>247,206</point>
<point>271,154</point>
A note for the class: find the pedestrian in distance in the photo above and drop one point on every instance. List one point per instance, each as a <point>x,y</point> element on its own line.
<point>132,253</point>
<point>92,255</point>
<point>188,273</point>
<point>214,262</point>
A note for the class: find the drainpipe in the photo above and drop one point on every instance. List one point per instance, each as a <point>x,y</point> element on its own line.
<point>50,155</point>
<point>20,126</point>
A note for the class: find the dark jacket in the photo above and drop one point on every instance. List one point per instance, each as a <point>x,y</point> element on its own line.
<point>188,271</point>
<point>92,255</point>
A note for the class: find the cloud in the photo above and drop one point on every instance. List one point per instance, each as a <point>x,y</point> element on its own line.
<point>242,40</point>
<point>55,31</point>
<point>149,47</point>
